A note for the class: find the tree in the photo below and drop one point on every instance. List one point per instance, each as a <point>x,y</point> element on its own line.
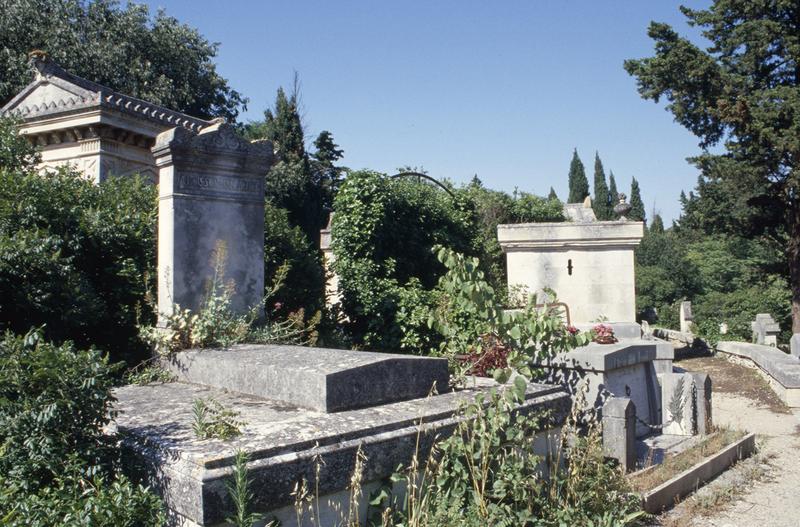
<point>612,190</point>
<point>741,92</point>
<point>637,205</point>
<point>552,194</point>
<point>154,58</point>
<point>578,184</point>
<point>657,224</point>
<point>602,202</point>
<point>302,184</point>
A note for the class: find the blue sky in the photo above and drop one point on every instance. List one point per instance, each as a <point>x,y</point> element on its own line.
<point>502,89</point>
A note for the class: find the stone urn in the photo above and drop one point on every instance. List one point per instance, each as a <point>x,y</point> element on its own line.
<point>622,208</point>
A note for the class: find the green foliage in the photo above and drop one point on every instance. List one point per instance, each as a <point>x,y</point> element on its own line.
<point>602,201</point>
<point>552,195</point>
<point>486,473</point>
<point>382,234</point>
<point>637,205</point>
<point>211,420</point>
<point>578,184</point>
<point>469,309</point>
<point>57,466</point>
<point>215,325</point>
<point>741,92</point>
<point>16,153</point>
<point>302,184</point>
<point>240,493</point>
<point>155,58</point>
<point>613,195</point>
<point>76,257</point>
<point>304,284</point>
<point>493,207</point>
<point>657,224</point>
<point>147,373</point>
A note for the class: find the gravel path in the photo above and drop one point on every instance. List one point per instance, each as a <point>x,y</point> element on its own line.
<point>761,491</point>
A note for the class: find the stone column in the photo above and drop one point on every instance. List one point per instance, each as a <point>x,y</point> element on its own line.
<point>619,431</point>
<point>210,209</point>
<point>686,318</point>
<point>702,384</point>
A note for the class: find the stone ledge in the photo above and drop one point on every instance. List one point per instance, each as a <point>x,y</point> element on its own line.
<point>605,357</point>
<point>283,441</point>
<point>325,380</point>
<point>780,366</point>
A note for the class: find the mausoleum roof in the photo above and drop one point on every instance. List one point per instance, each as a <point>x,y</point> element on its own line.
<point>55,92</point>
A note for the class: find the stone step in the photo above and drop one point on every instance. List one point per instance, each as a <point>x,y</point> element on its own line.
<point>325,380</point>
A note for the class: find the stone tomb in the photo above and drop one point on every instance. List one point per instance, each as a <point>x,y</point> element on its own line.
<point>765,330</point>
<point>298,405</point>
<point>589,264</point>
<point>210,216</point>
<point>92,128</point>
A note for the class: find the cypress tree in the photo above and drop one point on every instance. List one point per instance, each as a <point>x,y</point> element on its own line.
<point>637,205</point>
<point>602,202</point>
<point>552,194</point>
<point>657,225</point>
<point>613,195</point>
<point>578,184</point>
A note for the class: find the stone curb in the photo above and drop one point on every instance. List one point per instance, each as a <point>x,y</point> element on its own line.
<point>782,370</point>
<point>669,492</point>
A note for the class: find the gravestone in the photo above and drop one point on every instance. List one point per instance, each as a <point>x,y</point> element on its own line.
<point>686,317</point>
<point>794,345</point>
<point>210,216</point>
<point>619,431</point>
<point>765,330</point>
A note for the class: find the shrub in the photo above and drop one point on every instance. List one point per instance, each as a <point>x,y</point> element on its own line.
<point>57,467</point>
<point>76,258</point>
<point>382,234</point>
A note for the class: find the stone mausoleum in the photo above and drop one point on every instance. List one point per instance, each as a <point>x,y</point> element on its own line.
<point>96,130</point>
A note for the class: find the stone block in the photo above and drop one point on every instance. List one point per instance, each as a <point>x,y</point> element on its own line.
<point>678,403</point>
<point>794,345</point>
<point>210,216</point>
<point>702,386</point>
<point>765,330</point>
<point>619,431</point>
<point>686,317</point>
<point>326,380</point>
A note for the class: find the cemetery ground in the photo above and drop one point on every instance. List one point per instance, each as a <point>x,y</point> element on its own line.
<point>760,490</point>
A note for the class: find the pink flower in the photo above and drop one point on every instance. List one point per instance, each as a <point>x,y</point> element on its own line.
<point>278,305</point>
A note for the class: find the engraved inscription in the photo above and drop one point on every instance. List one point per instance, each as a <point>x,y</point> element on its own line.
<point>221,183</point>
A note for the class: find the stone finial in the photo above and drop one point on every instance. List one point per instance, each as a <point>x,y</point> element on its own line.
<point>587,203</point>
<point>623,207</point>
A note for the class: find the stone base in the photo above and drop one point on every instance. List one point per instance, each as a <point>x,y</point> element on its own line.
<point>285,444</point>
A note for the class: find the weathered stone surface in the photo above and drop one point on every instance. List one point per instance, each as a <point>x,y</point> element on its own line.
<point>210,216</point>
<point>619,431</point>
<point>93,129</point>
<point>590,265</point>
<point>686,317</point>
<point>326,380</point>
<point>794,345</point>
<point>678,403</point>
<point>283,441</point>
<point>765,330</point>
<point>624,369</point>
<point>703,390</point>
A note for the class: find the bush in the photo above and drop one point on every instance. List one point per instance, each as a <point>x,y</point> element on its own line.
<point>57,467</point>
<point>76,258</point>
<point>304,286</point>
<point>382,234</point>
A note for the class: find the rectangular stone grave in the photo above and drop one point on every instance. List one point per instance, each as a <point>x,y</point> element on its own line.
<point>286,444</point>
<point>326,380</point>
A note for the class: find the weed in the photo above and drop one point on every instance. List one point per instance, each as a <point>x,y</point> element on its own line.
<point>212,420</point>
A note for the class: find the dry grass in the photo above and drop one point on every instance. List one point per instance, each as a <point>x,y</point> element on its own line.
<point>673,465</point>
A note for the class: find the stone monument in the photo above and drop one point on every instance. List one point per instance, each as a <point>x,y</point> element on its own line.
<point>211,207</point>
<point>765,330</point>
<point>686,317</point>
<point>588,263</point>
